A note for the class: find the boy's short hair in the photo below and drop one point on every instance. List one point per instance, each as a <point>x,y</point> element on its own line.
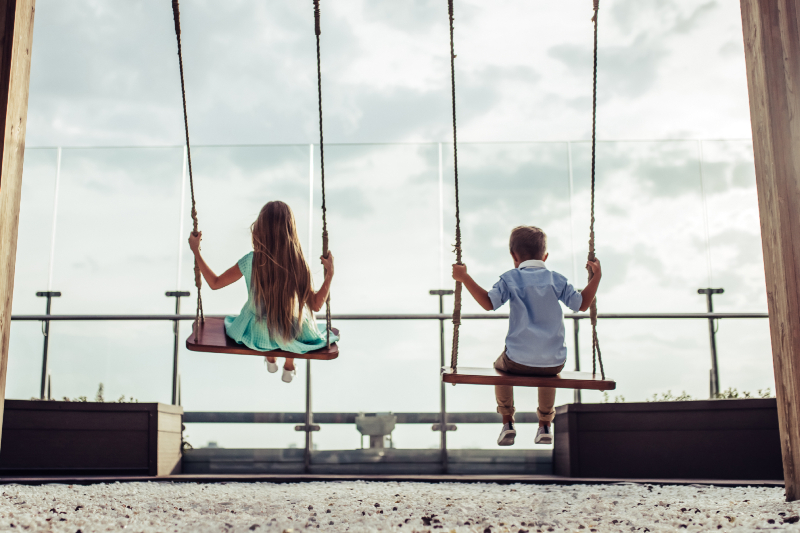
<point>528,242</point>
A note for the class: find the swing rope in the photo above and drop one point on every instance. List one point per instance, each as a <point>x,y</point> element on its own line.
<point>457,246</point>
<point>176,15</point>
<point>596,356</point>
<point>318,31</point>
<point>199,317</point>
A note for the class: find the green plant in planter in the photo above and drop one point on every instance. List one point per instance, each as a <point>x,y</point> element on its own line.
<point>617,399</point>
<point>99,397</point>
<point>669,397</point>
<point>731,393</point>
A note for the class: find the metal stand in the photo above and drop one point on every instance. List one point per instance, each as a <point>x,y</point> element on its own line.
<point>309,426</point>
<point>577,329</point>
<point>712,337</point>
<point>442,426</point>
<point>176,379</point>
<point>45,391</point>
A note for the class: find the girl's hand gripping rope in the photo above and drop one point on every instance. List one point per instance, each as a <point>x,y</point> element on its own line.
<point>327,263</point>
<point>194,241</point>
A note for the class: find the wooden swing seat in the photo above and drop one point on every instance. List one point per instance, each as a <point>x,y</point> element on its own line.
<point>492,376</point>
<point>210,337</point>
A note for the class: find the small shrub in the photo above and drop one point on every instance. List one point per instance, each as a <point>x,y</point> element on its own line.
<point>99,397</point>
<point>669,397</point>
<point>731,393</point>
<point>617,399</point>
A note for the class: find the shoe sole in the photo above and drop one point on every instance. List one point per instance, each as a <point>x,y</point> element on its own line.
<point>543,440</point>
<point>507,438</point>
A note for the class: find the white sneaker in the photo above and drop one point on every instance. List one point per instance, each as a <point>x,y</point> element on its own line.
<point>544,435</point>
<point>506,437</point>
<point>288,375</point>
<point>271,367</point>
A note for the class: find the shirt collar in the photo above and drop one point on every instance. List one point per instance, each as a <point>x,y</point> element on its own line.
<point>532,263</point>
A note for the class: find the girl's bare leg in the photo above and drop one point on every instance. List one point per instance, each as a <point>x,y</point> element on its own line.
<point>289,364</point>
<point>270,359</point>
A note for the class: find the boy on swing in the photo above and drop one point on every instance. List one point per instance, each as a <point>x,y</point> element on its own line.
<point>535,342</point>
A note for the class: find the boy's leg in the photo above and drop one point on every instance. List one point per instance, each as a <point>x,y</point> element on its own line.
<point>546,413</point>
<point>547,399</point>
<point>504,393</point>
<point>505,406</point>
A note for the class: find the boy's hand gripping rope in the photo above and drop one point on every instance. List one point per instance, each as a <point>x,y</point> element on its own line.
<point>457,246</point>
<point>596,356</point>
<point>176,15</point>
<point>317,31</point>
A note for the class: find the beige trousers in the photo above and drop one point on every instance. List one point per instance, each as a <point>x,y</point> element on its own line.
<point>505,393</point>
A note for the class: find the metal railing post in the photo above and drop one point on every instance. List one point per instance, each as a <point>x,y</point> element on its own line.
<point>45,389</point>
<point>712,337</point>
<point>176,399</point>
<point>309,419</point>
<point>441,293</point>
<point>576,322</point>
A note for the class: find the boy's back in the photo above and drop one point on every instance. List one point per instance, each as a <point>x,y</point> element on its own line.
<point>536,334</point>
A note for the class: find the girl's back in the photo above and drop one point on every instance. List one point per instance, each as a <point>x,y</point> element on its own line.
<point>279,313</point>
<point>247,329</point>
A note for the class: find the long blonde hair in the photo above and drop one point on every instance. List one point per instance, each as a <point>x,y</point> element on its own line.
<point>280,283</point>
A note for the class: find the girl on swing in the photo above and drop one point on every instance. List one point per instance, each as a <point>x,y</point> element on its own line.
<point>279,311</point>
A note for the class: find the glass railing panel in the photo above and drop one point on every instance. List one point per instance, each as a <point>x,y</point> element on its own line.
<point>35,230</point>
<point>666,225</point>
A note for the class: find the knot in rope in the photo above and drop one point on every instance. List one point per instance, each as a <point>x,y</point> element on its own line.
<point>176,17</point>
<point>316,18</point>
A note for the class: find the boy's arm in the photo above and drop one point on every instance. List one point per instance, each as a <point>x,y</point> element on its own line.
<point>480,294</point>
<point>589,292</point>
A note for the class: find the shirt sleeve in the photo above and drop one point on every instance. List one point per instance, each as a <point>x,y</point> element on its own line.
<point>499,294</point>
<point>245,265</point>
<point>571,297</point>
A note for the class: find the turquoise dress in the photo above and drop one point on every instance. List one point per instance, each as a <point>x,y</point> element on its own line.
<point>246,329</point>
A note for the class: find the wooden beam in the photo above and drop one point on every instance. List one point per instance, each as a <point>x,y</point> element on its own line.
<point>16,38</point>
<point>772,52</point>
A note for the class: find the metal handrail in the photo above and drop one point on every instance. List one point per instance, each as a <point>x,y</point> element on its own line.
<point>442,421</point>
<point>405,316</point>
<point>250,417</point>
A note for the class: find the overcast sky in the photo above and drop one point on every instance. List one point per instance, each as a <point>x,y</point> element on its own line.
<point>105,73</point>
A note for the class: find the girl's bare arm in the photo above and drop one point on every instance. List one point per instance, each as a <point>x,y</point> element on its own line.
<point>214,282</point>
<point>319,297</point>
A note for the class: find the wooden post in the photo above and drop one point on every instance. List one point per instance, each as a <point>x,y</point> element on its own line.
<point>772,52</point>
<point>16,37</point>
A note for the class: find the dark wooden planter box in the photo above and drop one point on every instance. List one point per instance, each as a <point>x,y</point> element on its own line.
<point>712,439</point>
<point>90,438</point>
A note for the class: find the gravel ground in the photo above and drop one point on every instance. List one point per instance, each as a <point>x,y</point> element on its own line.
<point>409,507</point>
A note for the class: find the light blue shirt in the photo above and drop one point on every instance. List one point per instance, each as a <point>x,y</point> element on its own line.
<point>536,321</point>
